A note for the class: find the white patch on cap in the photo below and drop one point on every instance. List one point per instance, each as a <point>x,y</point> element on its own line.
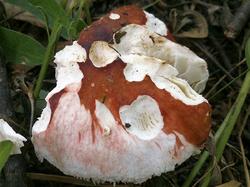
<point>101,54</point>
<point>105,117</point>
<point>68,75</point>
<point>155,25</point>
<point>170,66</point>
<point>142,118</point>
<point>7,133</point>
<point>114,16</point>
<point>166,78</point>
<point>165,62</point>
<point>134,39</point>
<point>138,66</point>
<point>139,40</point>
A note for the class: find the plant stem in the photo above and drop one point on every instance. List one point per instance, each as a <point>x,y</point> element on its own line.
<point>5,150</point>
<point>87,12</point>
<point>226,127</point>
<point>55,33</point>
<point>236,108</point>
<point>224,131</point>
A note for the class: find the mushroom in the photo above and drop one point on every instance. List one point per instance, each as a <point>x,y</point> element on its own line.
<point>126,105</point>
<point>7,133</point>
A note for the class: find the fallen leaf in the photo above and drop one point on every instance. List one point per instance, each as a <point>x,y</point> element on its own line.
<point>189,24</point>
<point>232,183</point>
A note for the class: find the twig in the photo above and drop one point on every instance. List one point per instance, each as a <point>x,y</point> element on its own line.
<point>222,78</point>
<point>239,20</point>
<point>211,57</point>
<point>222,53</point>
<point>228,84</point>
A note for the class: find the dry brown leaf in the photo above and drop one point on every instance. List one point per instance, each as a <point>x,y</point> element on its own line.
<point>232,183</point>
<point>190,24</point>
<point>18,13</point>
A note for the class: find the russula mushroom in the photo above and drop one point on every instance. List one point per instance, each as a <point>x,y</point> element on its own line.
<point>126,105</point>
<point>7,133</point>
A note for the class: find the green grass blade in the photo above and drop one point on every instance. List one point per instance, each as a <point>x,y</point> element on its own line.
<point>247,52</point>
<point>20,48</point>
<point>223,133</point>
<point>236,108</point>
<point>48,57</point>
<point>5,150</point>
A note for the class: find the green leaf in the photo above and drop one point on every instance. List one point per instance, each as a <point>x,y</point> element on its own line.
<point>48,11</point>
<point>53,10</point>
<point>75,28</point>
<point>26,5</point>
<point>5,150</point>
<point>20,48</point>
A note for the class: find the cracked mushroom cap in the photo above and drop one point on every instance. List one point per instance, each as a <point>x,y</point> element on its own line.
<point>126,106</point>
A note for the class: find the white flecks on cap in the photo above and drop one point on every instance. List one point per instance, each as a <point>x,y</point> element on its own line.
<point>68,75</point>
<point>139,45</point>
<point>67,69</point>
<point>138,66</point>
<point>105,117</point>
<point>155,25</point>
<point>166,78</point>
<point>190,66</point>
<point>165,62</point>
<point>134,39</point>
<point>101,54</point>
<point>139,40</point>
<point>142,118</point>
<point>114,16</point>
<point>70,53</point>
<point>7,133</point>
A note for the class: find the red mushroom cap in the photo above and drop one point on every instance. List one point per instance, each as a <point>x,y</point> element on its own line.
<point>125,115</point>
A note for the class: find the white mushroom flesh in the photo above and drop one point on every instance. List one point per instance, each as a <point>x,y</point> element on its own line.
<point>147,53</point>
<point>139,40</point>
<point>67,74</point>
<point>101,54</point>
<point>155,25</point>
<point>142,118</point>
<point>105,117</point>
